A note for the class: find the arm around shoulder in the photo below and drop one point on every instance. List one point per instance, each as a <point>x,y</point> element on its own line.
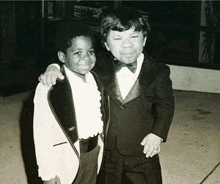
<point>51,74</point>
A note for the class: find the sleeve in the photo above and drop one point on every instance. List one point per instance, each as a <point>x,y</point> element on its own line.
<point>42,127</point>
<point>164,104</point>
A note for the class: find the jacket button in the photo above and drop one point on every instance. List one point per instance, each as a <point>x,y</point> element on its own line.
<point>121,107</point>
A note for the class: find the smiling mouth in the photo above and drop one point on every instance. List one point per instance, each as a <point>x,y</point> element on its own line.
<point>85,66</point>
<point>128,54</point>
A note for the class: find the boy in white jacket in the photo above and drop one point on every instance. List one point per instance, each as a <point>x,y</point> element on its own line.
<point>67,117</point>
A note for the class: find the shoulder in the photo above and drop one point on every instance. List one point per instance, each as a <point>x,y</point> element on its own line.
<point>104,58</point>
<point>41,93</point>
<point>103,55</point>
<point>155,64</point>
<point>104,63</point>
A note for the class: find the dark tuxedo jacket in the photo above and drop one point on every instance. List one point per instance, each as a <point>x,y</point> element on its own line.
<point>148,108</point>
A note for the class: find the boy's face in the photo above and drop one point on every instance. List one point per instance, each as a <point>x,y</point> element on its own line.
<point>80,57</point>
<point>126,46</point>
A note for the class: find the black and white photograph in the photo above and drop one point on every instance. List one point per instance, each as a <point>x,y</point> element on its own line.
<point>110,92</point>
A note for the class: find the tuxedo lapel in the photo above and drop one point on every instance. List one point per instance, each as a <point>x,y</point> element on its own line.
<point>147,74</point>
<point>61,102</point>
<point>138,86</point>
<point>106,72</point>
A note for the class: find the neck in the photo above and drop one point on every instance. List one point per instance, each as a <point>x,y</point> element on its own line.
<point>82,76</point>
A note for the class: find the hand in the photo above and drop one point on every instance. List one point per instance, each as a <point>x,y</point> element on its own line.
<point>55,180</point>
<point>151,145</point>
<point>50,76</point>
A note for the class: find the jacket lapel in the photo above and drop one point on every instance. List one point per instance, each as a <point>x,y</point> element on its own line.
<point>61,103</point>
<point>148,73</point>
<point>106,72</point>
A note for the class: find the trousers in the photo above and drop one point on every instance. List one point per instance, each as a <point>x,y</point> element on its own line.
<point>89,151</point>
<point>123,169</point>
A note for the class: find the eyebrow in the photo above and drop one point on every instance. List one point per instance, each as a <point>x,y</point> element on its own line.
<point>79,49</point>
<point>119,35</point>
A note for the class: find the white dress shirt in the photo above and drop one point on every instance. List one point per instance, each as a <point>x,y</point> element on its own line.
<point>126,78</point>
<point>87,104</point>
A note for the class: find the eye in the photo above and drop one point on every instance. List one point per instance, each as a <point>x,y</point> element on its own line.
<point>77,53</point>
<point>117,38</point>
<point>91,52</point>
<point>134,36</point>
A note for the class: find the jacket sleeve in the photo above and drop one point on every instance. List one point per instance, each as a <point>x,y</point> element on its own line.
<point>42,127</point>
<point>163,108</point>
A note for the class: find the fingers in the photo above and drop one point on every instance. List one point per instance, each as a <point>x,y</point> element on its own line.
<point>50,76</point>
<point>50,79</point>
<point>60,76</point>
<point>40,77</point>
<point>150,151</point>
<point>154,151</point>
<point>143,142</point>
<point>151,145</point>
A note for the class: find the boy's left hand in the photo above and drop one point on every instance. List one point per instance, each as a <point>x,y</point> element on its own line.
<point>151,145</point>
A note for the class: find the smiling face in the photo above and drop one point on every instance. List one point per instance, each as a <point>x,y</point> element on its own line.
<point>127,45</point>
<point>80,57</point>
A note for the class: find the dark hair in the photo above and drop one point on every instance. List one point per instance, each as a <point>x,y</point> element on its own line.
<point>67,31</point>
<point>122,19</point>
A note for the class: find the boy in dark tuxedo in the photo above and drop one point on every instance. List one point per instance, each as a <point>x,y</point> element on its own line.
<point>139,96</point>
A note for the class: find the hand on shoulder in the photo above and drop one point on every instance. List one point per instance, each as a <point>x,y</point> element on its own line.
<point>51,75</point>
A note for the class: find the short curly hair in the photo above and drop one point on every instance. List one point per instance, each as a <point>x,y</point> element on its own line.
<point>122,19</point>
<point>67,31</point>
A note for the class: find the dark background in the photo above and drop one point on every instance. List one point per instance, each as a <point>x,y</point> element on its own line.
<point>28,32</point>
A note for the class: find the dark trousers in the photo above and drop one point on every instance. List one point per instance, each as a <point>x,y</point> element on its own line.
<point>88,166</point>
<point>121,169</point>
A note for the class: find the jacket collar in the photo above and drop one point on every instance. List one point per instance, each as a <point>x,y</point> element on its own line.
<point>61,103</point>
<point>106,72</point>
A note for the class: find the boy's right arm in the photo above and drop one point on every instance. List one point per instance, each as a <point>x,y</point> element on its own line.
<point>50,76</point>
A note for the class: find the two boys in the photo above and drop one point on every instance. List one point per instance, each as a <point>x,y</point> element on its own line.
<point>139,98</point>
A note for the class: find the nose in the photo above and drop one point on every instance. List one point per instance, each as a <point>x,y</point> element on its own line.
<point>86,56</point>
<point>127,43</point>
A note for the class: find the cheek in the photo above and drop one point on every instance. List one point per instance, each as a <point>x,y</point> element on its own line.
<point>71,63</point>
<point>114,46</point>
<point>115,50</point>
<point>72,66</point>
<point>92,60</point>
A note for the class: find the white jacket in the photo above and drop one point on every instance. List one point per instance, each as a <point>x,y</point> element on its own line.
<point>57,152</point>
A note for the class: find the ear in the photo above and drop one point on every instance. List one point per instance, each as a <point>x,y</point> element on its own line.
<point>144,42</point>
<point>61,56</point>
<point>106,46</point>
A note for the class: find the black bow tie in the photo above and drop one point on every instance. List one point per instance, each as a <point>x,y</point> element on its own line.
<point>131,66</point>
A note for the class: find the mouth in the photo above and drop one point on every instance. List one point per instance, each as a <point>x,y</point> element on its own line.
<point>85,67</point>
<point>128,54</point>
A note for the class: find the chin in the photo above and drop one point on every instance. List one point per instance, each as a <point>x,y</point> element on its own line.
<point>128,61</point>
<point>84,72</point>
